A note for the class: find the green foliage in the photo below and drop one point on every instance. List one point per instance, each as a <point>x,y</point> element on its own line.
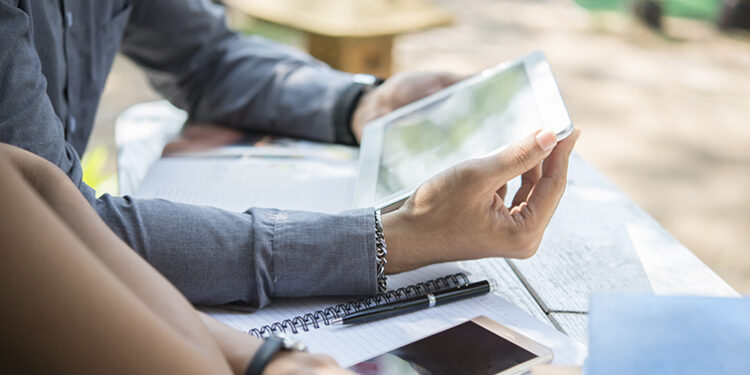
<point>699,9</point>
<point>274,32</point>
<point>600,4</point>
<point>94,163</point>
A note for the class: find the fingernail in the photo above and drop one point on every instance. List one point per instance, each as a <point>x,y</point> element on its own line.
<point>546,139</point>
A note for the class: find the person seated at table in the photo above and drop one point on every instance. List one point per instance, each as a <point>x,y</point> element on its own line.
<point>77,299</point>
<point>56,58</point>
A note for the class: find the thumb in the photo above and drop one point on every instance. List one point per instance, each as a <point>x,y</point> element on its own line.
<point>521,156</point>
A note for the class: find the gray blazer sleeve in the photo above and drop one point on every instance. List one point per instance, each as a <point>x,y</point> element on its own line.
<point>212,256</point>
<point>220,77</point>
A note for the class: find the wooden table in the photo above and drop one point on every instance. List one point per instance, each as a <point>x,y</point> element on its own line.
<point>598,241</point>
<point>353,36</point>
<point>601,241</point>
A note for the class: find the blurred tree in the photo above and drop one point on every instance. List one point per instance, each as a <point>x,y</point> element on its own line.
<point>735,14</point>
<point>649,12</point>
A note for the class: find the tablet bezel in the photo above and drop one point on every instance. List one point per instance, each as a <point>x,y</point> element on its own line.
<point>543,87</point>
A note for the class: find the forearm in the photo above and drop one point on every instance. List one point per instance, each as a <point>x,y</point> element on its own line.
<point>92,304</point>
<point>281,91</point>
<point>223,78</point>
<point>216,257</point>
<point>237,347</point>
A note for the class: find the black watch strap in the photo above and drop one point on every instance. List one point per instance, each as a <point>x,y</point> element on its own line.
<point>264,354</point>
<point>346,104</point>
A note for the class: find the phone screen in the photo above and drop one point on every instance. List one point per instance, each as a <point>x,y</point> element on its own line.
<point>467,348</point>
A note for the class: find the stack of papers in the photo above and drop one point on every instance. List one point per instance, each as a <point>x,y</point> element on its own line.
<point>302,175</point>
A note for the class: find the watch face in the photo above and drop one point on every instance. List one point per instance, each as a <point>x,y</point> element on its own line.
<point>290,343</point>
<point>365,79</point>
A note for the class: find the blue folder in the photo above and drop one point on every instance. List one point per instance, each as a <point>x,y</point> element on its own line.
<point>647,334</point>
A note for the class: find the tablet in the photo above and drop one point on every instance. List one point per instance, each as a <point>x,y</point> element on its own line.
<point>480,346</point>
<point>472,118</point>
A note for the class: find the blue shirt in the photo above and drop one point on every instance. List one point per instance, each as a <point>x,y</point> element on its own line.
<point>56,55</point>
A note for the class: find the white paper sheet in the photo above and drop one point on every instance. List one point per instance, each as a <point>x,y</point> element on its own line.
<point>236,184</point>
<point>352,344</point>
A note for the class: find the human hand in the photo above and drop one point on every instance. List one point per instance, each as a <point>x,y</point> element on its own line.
<point>201,137</point>
<point>460,213</point>
<point>396,92</point>
<point>287,363</point>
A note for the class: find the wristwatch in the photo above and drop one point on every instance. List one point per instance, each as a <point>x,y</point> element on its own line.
<point>268,350</point>
<point>346,104</point>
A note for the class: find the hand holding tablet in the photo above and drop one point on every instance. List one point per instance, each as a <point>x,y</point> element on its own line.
<point>459,214</point>
<point>470,119</point>
<point>442,163</point>
<point>447,158</point>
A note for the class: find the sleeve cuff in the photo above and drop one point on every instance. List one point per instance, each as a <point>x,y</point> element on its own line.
<point>315,254</point>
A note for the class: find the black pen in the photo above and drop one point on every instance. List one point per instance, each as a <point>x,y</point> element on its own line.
<point>417,303</point>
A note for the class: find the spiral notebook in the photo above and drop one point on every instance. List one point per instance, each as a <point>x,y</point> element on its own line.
<point>323,317</point>
<point>351,344</point>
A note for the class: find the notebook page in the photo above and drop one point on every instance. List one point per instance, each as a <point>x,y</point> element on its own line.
<point>352,344</point>
<point>281,309</point>
<point>237,184</point>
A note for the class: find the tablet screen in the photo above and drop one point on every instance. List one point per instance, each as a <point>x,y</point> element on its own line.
<point>469,123</point>
<point>464,349</point>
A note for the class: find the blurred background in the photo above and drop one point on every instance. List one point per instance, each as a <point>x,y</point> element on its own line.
<point>661,89</point>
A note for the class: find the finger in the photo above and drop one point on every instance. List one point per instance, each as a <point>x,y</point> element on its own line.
<point>517,158</point>
<point>557,162</point>
<point>528,180</point>
<point>447,79</point>
<point>548,191</point>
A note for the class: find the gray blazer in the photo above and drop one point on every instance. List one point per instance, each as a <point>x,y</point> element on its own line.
<point>55,56</point>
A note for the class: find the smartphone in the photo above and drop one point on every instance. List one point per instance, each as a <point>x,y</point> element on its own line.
<point>479,346</point>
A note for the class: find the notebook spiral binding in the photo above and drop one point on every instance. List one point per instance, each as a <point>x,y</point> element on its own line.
<point>325,316</point>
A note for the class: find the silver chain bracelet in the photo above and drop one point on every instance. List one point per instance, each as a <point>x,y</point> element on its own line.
<point>381,253</point>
